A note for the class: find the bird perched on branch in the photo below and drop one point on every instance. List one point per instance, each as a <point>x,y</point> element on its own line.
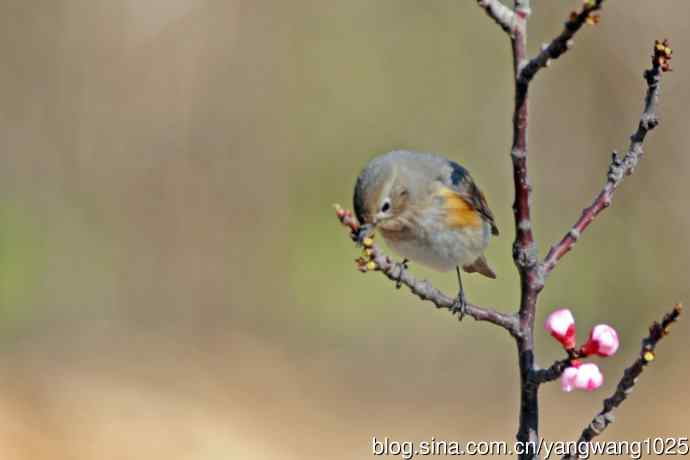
<point>429,210</point>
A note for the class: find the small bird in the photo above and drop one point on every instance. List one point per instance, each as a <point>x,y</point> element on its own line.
<point>429,210</point>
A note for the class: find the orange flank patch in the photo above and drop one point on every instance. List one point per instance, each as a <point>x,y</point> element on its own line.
<point>459,213</point>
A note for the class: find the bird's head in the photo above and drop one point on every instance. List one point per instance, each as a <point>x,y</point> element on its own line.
<point>381,194</point>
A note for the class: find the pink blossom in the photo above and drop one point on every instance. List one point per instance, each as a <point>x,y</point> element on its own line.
<point>582,377</point>
<point>603,341</point>
<point>561,325</point>
<point>589,377</point>
<point>568,379</point>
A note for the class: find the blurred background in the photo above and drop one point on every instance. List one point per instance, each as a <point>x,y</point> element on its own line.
<point>174,283</point>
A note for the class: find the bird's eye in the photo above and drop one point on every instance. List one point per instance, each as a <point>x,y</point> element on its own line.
<point>386,206</point>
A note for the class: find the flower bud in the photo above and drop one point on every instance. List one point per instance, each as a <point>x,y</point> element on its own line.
<point>568,379</point>
<point>561,325</point>
<point>602,341</point>
<point>589,377</point>
<point>583,377</point>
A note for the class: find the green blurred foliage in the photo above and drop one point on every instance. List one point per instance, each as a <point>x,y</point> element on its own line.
<point>23,262</point>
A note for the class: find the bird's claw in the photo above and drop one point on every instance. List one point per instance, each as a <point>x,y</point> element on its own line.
<point>402,266</point>
<point>459,305</point>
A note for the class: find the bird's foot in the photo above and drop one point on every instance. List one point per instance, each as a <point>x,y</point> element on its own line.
<point>459,305</point>
<point>402,266</point>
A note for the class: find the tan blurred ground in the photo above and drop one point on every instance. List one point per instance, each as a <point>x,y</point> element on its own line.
<point>173,283</point>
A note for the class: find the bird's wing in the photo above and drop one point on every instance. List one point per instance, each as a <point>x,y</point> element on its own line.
<point>460,182</point>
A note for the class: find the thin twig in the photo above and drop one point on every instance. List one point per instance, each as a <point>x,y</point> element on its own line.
<point>562,42</point>
<point>620,167</point>
<point>504,16</point>
<point>554,371</point>
<point>657,331</point>
<point>376,260</point>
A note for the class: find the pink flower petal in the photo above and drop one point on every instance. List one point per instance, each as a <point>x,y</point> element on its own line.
<point>588,377</point>
<point>603,341</point>
<point>561,325</point>
<point>568,379</point>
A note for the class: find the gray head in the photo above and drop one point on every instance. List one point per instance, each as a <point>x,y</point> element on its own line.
<point>391,181</point>
<point>381,192</point>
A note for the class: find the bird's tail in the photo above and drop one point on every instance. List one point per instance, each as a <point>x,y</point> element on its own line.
<point>480,266</point>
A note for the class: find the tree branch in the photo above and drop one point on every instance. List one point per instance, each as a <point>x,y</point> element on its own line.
<point>657,331</point>
<point>376,260</point>
<point>619,167</point>
<point>524,247</point>
<point>562,42</point>
<point>554,371</point>
<point>504,16</point>
<point>525,253</point>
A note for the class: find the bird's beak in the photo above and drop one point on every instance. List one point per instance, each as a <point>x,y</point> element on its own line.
<point>364,231</point>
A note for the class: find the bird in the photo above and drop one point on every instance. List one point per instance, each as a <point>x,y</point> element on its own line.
<point>429,210</point>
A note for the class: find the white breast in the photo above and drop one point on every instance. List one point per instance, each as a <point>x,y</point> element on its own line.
<point>441,248</point>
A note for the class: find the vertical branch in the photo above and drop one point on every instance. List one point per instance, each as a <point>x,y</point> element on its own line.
<point>521,206</point>
<point>524,248</point>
